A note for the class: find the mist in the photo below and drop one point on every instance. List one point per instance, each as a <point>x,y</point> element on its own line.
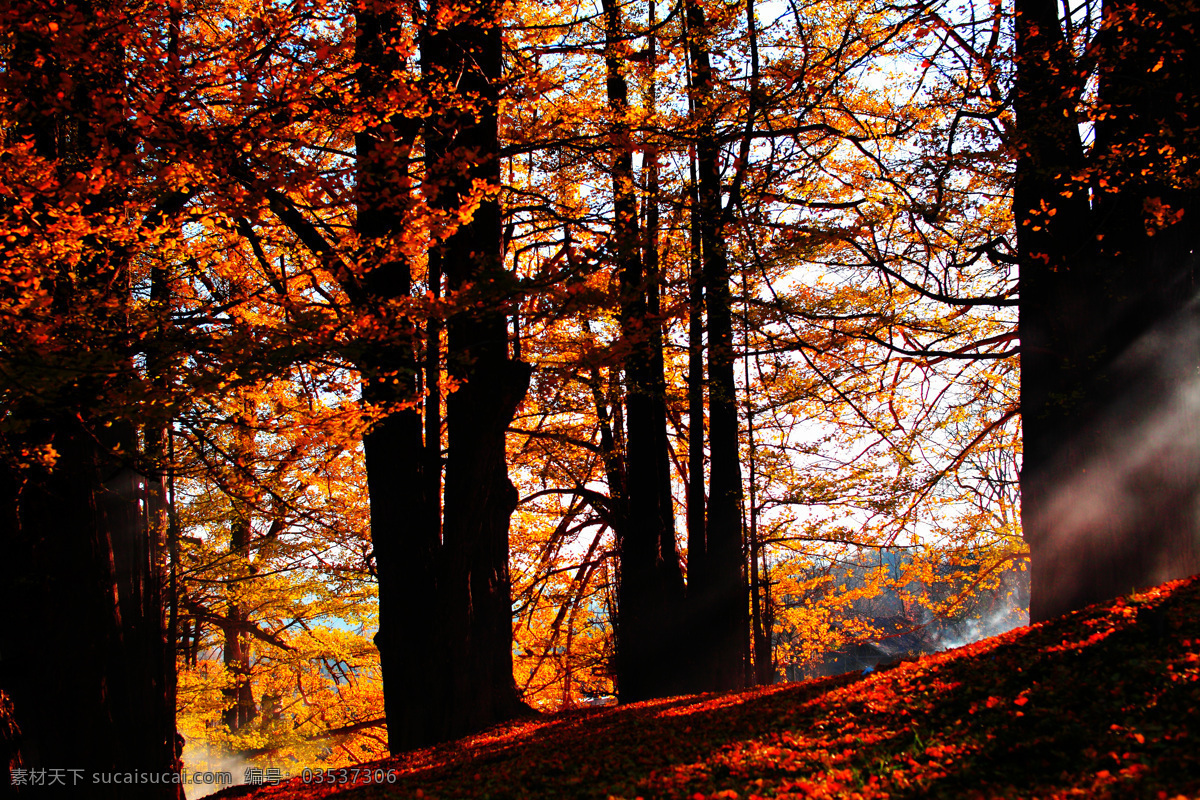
<point>1117,506</point>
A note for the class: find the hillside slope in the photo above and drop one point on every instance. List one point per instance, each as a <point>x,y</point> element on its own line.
<point>1097,704</point>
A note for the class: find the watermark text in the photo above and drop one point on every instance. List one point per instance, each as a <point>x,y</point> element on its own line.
<point>81,777</point>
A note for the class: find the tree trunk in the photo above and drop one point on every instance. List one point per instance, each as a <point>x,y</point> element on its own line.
<point>404,516</point>
<point>81,640</point>
<point>763,662</point>
<point>718,603</point>
<point>445,611</point>
<point>696,499</point>
<point>239,696</point>
<point>159,457</point>
<point>1110,329</point>
<point>651,585</point>
<point>461,60</point>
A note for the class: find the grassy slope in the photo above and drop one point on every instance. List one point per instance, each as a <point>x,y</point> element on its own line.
<point>1098,704</point>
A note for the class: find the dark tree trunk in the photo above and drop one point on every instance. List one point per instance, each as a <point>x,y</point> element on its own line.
<point>157,459</point>
<point>461,59</point>
<point>718,600</point>
<point>696,499</point>
<point>81,648</point>
<point>405,524</point>
<point>669,568</point>
<point>760,622</point>
<point>650,593</point>
<point>239,696</point>
<point>445,609</point>
<point>81,639</point>
<point>1110,329</point>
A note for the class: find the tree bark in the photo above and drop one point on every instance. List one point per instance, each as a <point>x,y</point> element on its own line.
<point>650,593</point>
<point>461,60</point>
<point>239,697</point>
<point>445,611</point>
<point>405,523</point>
<point>696,498</point>
<point>718,600</point>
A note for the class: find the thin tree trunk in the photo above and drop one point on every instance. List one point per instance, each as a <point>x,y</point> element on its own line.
<point>671,673</point>
<point>159,458</point>
<point>697,562</point>
<point>239,696</point>
<point>670,568</point>
<point>764,669</point>
<point>720,601</point>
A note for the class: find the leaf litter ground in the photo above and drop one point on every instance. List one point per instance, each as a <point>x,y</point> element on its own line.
<point>1097,704</point>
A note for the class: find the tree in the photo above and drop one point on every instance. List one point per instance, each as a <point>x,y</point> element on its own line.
<point>445,607</point>
<point>462,50</point>
<point>717,591</point>
<point>441,554</point>
<point>650,604</point>
<point>405,512</point>
<point>83,639</point>
<point>1107,233</point>
<point>277,665</point>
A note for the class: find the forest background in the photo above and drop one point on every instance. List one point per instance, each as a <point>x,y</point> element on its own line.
<point>770,244</point>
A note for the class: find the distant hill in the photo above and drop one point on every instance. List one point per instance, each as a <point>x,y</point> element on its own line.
<point>1098,704</point>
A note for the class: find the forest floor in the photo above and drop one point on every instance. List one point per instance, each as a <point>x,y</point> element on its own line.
<point>1097,704</point>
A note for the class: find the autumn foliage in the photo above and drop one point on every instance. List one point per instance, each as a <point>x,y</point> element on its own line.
<point>443,363</point>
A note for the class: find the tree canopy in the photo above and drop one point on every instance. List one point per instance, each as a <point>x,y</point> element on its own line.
<point>437,363</point>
